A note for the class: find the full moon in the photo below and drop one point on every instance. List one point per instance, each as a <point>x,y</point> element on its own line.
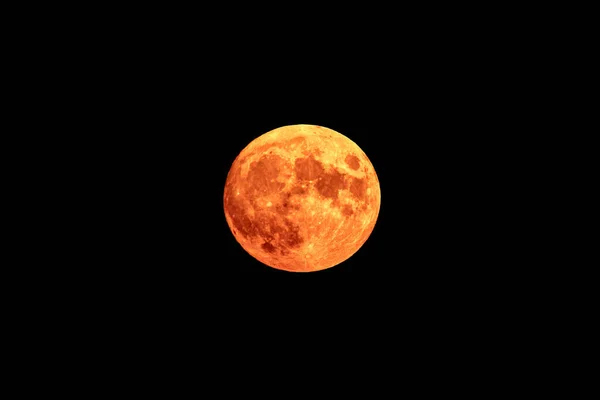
<point>302,198</point>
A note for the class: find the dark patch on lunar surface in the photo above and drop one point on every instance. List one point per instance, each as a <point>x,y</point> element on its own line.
<point>347,210</point>
<point>308,169</point>
<point>268,247</point>
<point>358,187</point>
<point>298,190</point>
<point>352,161</point>
<point>291,237</point>
<point>330,184</point>
<point>262,176</point>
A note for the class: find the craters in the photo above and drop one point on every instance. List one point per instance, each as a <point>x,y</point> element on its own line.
<point>358,187</point>
<point>308,169</point>
<point>352,161</point>
<point>330,183</point>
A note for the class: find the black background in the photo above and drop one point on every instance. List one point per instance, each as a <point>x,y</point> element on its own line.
<point>143,109</point>
<point>428,130</point>
<point>172,110</point>
<point>143,112</point>
<point>163,106</point>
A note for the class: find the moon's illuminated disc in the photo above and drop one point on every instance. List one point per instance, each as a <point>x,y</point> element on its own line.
<point>302,198</point>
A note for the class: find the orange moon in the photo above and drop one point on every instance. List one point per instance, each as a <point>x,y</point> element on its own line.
<point>302,198</point>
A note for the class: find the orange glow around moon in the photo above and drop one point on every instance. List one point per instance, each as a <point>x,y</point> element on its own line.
<point>302,198</point>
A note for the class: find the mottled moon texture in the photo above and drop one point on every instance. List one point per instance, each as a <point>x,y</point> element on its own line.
<point>302,198</point>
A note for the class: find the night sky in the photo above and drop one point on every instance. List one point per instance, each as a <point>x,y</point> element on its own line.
<point>433,129</point>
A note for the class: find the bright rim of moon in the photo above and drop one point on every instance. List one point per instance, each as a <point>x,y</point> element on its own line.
<point>302,198</point>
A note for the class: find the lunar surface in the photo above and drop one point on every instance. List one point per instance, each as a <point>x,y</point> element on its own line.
<point>302,198</point>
